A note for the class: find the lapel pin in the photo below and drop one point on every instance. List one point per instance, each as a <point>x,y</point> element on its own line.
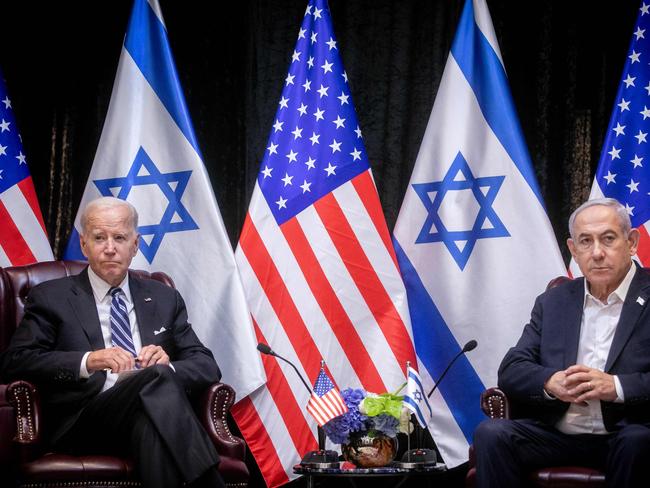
<point>148,299</point>
<point>640,301</point>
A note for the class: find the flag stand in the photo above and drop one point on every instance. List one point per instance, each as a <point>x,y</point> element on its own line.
<point>322,458</point>
<point>417,458</point>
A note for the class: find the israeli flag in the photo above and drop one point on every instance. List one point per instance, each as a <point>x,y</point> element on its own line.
<point>148,155</point>
<point>416,398</point>
<point>473,240</point>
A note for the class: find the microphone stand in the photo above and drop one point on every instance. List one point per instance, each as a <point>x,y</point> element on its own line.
<point>321,458</point>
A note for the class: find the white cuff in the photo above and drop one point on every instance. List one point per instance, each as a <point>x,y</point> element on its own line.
<point>620,396</point>
<point>83,370</point>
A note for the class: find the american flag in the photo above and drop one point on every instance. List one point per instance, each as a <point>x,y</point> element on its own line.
<point>624,167</point>
<point>325,403</point>
<point>316,258</point>
<point>23,238</point>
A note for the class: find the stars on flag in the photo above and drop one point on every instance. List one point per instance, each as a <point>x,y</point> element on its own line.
<point>315,124</point>
<point>13,162</point>
<point>621,173</point>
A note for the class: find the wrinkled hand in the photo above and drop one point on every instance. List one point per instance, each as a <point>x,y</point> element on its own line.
<point>589,384</point>
<point>555,386</point>
<point>578,383</point>
<point>151,354</point>
<point>114,358</point>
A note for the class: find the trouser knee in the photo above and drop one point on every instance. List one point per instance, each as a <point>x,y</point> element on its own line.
<point>491,433</point>
<point>633,441</point>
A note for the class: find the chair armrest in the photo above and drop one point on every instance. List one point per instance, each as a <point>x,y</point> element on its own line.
<point>24,398</point>
<point>212,410</point>
<point>494,404</point>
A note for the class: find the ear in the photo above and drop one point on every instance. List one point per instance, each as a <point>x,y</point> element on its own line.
<point>83,243</point>
<point>571,246</point>
<point>136,245</point>
<point>633,241</point>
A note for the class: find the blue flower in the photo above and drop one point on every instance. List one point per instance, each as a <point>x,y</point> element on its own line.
<point>338,430</point>
<point>386,424</point>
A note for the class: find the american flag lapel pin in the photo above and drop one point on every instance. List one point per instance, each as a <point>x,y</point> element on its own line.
<point>640,301</point>
<point>147,299</point>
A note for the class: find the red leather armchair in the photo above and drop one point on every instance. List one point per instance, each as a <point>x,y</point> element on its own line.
<point>494,404</point>
<point>23,452</point>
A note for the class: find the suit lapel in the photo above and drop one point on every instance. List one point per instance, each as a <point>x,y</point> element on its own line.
<point>143,303</point>
<point>635,303</point>
<point>574,320</point>
<point>83,304</point>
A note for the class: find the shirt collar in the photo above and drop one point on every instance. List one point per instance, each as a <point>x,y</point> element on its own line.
<point>620,292</point>
<point>101,288</point>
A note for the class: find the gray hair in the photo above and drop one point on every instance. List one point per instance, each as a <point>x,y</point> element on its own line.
<point>108,202</point>
<point>621,213</point>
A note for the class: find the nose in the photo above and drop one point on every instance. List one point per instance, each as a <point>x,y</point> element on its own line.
<point>598,252</point>
<point>109,248</point>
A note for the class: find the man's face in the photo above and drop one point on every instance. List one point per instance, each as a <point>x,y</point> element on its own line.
<point>110,243</point>
<point>601,249</point>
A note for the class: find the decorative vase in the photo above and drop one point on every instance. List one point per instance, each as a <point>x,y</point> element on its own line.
<point>370,449</point>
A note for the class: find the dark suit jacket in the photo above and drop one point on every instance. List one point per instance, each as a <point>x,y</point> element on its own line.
<point>549,343</point>
<point>61,324</point>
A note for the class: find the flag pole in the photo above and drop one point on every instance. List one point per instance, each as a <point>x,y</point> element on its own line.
<point>418,458</point>
<point>322,458</point>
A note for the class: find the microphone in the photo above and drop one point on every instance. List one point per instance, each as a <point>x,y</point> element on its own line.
<point>470,346</point>
<point>265,349</point>
<point>313,459</point>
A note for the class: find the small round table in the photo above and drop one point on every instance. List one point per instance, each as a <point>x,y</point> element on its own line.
<point>352,475</point>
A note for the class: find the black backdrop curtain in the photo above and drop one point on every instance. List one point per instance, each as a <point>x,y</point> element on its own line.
<point>59,60</point>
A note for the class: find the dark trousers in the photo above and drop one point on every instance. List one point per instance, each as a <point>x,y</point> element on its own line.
<point>507,450</point>
<point>149,418</point>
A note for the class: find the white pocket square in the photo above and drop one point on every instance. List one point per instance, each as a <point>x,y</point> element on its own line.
<point>162,329</point>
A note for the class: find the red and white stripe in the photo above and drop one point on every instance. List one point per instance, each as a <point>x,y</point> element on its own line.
<point>327,407</point>
<point>323,285</point>
<point>23,239</point>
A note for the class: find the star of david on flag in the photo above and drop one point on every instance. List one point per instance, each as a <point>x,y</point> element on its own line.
<point>416,399</point>
<point>623,170</point>
<point>472,238</point>
<point>487,223</point>
<point>149,156</point>
<point>175,218</point>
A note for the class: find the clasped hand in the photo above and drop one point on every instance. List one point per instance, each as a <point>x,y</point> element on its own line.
<point>578,384</point>
<point>117,359</point>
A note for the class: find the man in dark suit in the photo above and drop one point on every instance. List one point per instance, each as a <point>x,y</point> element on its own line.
<point>579,376</point>
<point>115,359</point>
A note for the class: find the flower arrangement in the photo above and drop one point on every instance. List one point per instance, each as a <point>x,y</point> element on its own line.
<point>368,412</point>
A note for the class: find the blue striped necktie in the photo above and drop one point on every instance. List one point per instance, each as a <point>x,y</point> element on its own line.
<point>120,326</point>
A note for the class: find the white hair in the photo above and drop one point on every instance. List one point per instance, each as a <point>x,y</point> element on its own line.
<point>621,213</point>
<point>108,202</point>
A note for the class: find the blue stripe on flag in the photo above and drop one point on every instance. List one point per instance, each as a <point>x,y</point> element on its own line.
<point>487,77</point>
<point>463,387</point>
<point>147,44</point>
<point>73,249</point>
<point>416,410</point>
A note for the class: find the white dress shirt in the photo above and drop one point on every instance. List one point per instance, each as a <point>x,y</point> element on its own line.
<point>103,303</point>
<point>599,321</point>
